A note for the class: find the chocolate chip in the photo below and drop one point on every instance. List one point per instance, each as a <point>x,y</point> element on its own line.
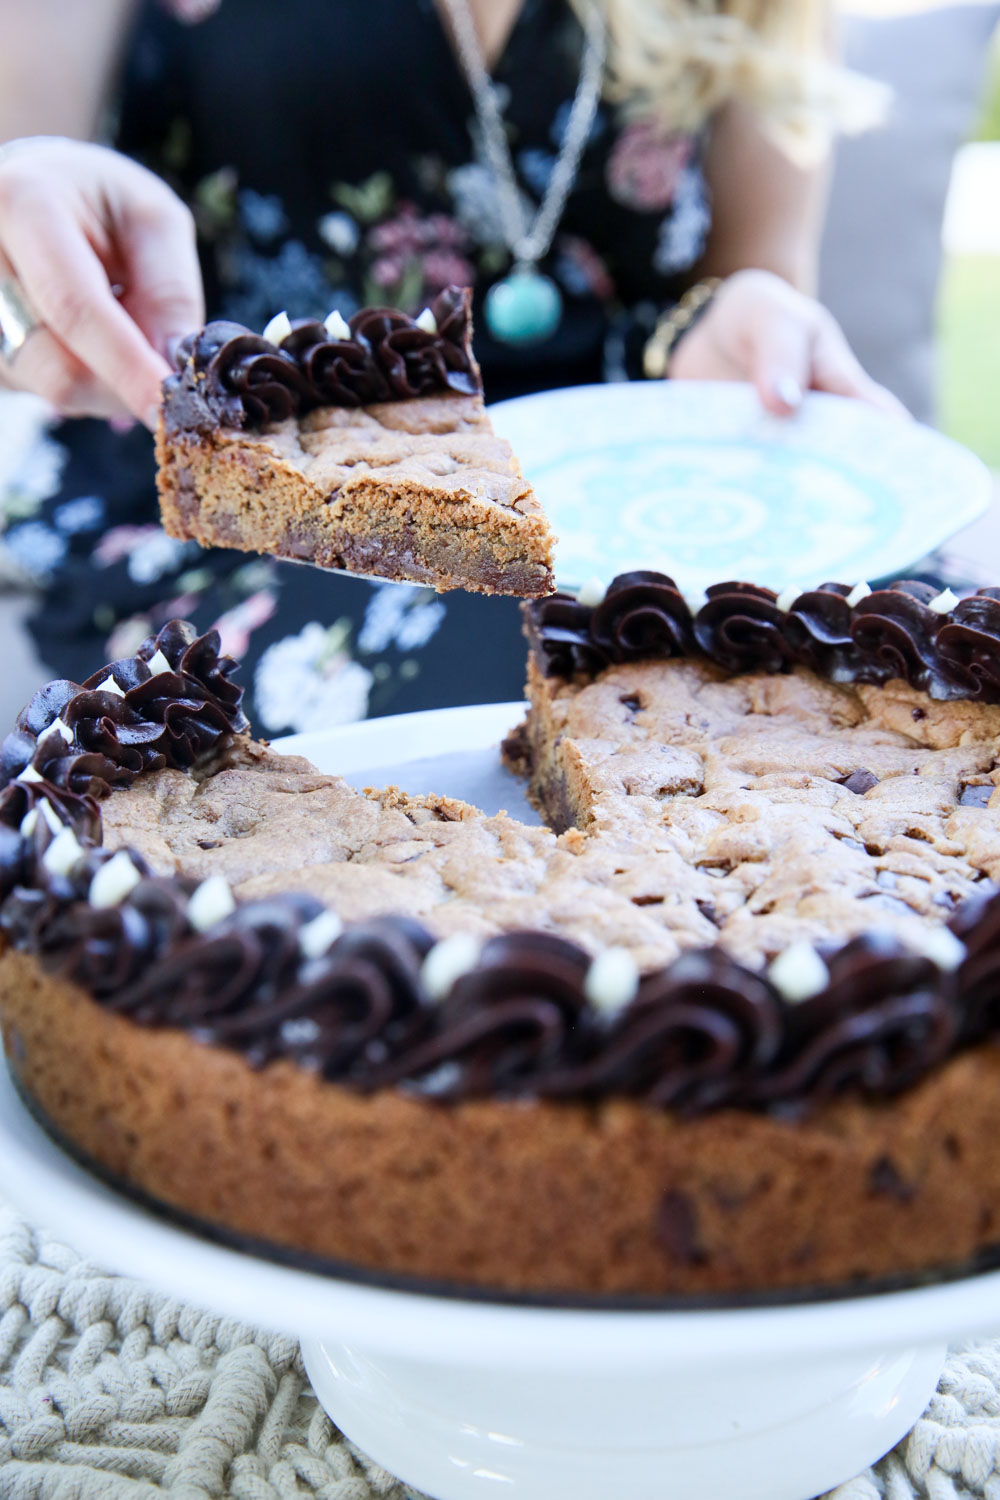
<point>918,714</point>
<point>632,702</point>
<point>647,900</point>
<point>209,843</point>
<point>885,1181</point>
<point>860,781</point>
<point>677,1228</point>
<point>976,796</point>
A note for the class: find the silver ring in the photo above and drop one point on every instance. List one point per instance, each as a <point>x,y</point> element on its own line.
<point>18,319</point>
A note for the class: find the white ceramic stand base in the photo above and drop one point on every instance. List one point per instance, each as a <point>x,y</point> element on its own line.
<point>765,1430</point>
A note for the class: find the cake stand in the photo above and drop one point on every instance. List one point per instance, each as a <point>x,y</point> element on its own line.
<point>465,1398</point>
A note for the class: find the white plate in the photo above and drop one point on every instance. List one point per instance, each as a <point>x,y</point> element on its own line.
<point>449,751</point>
<point>694,479</point>
<point>461,1398</point>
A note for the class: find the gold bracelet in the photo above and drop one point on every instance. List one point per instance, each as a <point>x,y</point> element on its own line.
<point>668,331</point>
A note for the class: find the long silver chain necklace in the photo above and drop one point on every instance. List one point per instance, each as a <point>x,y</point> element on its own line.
<point>525,307</point>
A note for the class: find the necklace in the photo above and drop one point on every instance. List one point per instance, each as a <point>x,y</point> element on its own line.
<point>525,307</point>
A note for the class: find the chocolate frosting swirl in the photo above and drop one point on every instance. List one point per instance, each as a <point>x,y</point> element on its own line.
<point>895,634</point>
<point>642,616</point>
<point>885,1019</point>
<point>90,738</point>
<point>227,376</point>
<point>741,627</point>
<point>703,1033</point>
<point>695,1037</point>
<point>818,630</point>
<point>892,633</point>
<point>967,646</point>
<point>519,1014</point>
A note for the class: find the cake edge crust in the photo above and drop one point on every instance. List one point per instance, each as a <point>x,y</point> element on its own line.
<point>615,1199</point>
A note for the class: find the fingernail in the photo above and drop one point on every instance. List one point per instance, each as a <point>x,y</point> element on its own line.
<point>788,391</point>
<point>171,344</point>
<point>152,416</point>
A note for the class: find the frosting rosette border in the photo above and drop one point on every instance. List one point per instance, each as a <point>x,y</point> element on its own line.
<point>227,376</point>
<point>889,633</point>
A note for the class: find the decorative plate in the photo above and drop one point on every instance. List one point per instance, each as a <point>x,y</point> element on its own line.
<point>694,479</point>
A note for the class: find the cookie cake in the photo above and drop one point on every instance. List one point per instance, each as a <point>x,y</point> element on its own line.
<point>725,1026</point>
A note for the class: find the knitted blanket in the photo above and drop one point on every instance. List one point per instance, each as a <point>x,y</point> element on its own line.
<point>109,1391</point>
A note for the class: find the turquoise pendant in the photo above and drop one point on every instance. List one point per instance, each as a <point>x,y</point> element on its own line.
<point>524,308</point>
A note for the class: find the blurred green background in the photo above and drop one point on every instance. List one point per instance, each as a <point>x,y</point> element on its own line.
<point>969,317</point>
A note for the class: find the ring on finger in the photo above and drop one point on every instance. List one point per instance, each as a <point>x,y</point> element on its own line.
<point>18,319</point>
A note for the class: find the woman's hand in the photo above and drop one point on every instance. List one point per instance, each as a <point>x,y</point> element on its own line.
<point>758,328</point>
<point>105,254</point>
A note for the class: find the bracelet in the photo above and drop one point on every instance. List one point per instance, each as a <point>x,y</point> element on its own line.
<point>674,324</point>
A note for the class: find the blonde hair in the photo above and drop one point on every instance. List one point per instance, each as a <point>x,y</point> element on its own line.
<point>681,59</point>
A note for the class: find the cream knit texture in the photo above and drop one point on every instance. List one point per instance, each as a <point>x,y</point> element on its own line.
<point>110,1391</point>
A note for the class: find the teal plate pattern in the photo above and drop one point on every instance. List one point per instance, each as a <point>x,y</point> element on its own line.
<point>696,480</point>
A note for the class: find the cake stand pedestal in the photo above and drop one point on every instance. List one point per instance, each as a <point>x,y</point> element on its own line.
<point>464,1399</point>
<point>748,1429</point>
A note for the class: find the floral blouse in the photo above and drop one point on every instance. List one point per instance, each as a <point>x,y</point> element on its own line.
<point>330,152</point>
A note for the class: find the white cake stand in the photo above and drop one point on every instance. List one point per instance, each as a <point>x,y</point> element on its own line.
<point>465,1399</point>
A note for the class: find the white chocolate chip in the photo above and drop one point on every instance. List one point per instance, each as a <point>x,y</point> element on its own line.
<point>799,972</point>
<point>941,946</point>
<point>29,823</point>
<point>591,593</point>
<point>279,328</point>
<point>61,728</point>
<point>212,902</point>
<point>113,881</point>
<point>318,936</point>
<point>858,592</point>
<point>299,1031</point>
<point>427,321</point>
<point>696,600</point>
<point>447,961</point>
<point>109,685</point>
<point>30,774</point>
<point>787,598</point>
<point>64,853</point>
<point>337,326</point>
<point>50,815</point>
<point>612,980</point>
<point>944,603</point>
<point>158,664</point>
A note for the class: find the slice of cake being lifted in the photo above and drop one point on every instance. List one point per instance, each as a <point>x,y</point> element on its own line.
<point>363,446</point>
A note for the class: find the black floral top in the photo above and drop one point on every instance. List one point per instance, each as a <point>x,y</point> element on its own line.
<point>330,152</point>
